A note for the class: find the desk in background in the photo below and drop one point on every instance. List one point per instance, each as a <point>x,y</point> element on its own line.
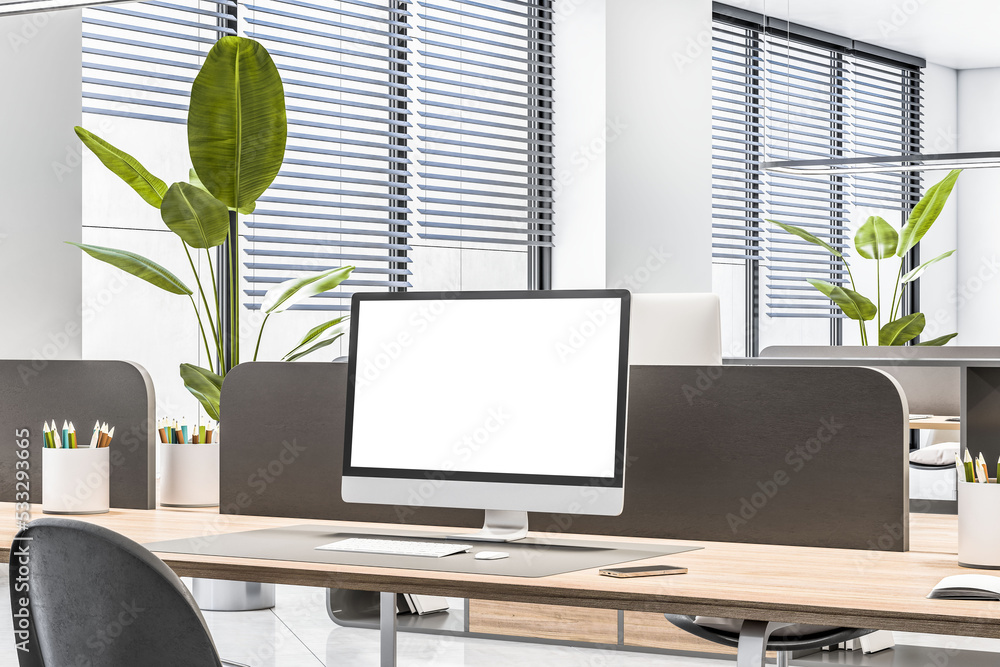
<point>936,423</point>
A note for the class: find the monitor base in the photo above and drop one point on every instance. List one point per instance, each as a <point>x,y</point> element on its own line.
<point>499,526</point>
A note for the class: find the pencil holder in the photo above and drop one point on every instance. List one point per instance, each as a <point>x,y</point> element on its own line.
<point>76,481</point>
<point>978,540</point>
<point>189,476</point>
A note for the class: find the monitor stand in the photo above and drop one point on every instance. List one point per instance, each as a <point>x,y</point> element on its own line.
<point>499,526</point>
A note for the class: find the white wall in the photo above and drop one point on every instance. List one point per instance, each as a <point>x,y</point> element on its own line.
<point>582,137</point>
<point>978,289</point>
<point>659,181</point>
<point>40,60</point>
<point>938,284</point>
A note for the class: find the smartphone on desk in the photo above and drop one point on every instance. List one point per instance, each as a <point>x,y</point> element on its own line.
<point>642,571</point>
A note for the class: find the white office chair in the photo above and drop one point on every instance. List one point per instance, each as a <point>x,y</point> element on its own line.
<point>675,330</point>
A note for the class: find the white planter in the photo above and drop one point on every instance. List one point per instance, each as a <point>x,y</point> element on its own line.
<point>76,481</point>
<point>978,539</point>
<point>189,475</point>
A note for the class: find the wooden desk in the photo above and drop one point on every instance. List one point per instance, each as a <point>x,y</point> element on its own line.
<point>867,589</point>
<point>939,423</point>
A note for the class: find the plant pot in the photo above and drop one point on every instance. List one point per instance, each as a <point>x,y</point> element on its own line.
<point>189,476</point>
<point>978,540</point>
<point>76,481</point>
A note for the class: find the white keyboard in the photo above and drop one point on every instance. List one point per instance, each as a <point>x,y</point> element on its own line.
<point>366,545</point>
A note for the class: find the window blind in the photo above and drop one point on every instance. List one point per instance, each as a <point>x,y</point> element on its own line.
<point>431,114</point>
<point>805,110</point>
<point>484,131</point>
<point>782,96</point>
<point>139,60</point>
<point>343,195</point>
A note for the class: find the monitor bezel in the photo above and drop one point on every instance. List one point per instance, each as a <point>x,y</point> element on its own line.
<point>617,481</point>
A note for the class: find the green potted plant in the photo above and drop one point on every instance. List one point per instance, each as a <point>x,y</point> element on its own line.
<point>877,240</point>
<point>236,131</point>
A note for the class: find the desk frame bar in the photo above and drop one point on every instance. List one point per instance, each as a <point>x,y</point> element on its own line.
<point>387,629</point>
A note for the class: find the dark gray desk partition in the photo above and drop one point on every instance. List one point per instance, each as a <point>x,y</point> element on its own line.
<point>284,430</point>
<point>118,392</point>
<point>798,456</point>
<point>950,380</point>
<point>931,377</point>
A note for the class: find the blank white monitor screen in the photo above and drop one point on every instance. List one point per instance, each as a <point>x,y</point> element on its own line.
<point>489,388</point>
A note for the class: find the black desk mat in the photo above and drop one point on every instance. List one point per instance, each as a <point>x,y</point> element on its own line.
<point>530,557</point>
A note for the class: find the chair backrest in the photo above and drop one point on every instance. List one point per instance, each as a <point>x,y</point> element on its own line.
<point>675,330</point>
<point>96,598</point>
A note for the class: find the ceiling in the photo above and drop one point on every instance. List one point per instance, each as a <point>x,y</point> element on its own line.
<point>962,34</point>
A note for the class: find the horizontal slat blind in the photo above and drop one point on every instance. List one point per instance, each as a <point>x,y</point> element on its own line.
<point>777,97</point>
<point>341,196</point>
<point>484,132</point>
<point>737,127</point>
<point>806,105</point>
<point>886,121</point>
<point>139,59</point>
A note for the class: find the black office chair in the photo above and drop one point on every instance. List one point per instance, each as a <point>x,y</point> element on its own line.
<point>85,595</point>
<point>752,639</point>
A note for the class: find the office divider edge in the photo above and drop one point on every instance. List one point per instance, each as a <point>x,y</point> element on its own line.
<point>121,393</point>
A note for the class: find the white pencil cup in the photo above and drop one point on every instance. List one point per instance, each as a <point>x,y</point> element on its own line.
<point>76,481</point>
<point>978,540</point>
<point>189,475</point>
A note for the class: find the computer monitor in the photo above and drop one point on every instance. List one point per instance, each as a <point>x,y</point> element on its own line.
<point>502,401</point>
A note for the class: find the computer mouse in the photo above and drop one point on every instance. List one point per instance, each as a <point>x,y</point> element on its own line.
<point>491,555</point>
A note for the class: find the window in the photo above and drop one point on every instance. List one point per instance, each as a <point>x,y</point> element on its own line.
<point>783,92</point>
<point>419,150</point>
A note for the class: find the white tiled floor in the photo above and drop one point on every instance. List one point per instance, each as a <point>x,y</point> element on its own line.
<point>298,633</point>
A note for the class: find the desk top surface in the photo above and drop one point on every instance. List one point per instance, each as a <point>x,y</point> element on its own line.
<point>936,422</point>
<point>871,589</point>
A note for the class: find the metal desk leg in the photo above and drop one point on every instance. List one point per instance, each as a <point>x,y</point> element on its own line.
<point>387,629</point>
<point>752,649</point>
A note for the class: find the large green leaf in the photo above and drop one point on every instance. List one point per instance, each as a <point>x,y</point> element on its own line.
<point>205,385</point>
<point>876,239</point>
<point>939,341</point>
<point>854,305</point>
<point>903,330</point>
<point>298,353</point>
<point>195,216</point>
<point>138,266</point>
<point>283,296</point>
<point>806,236</point>
<point>312,341</point>
<point>125,167</point>
<point>915,273</point>
<point>236,121</point>
<point>195,181</point>
<point>926,212</point>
